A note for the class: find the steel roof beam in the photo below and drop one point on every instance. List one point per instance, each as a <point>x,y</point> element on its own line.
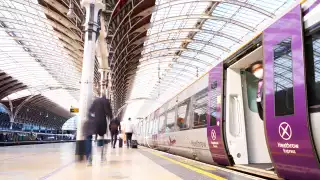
<point>166,55</point>
<point>200,16</point>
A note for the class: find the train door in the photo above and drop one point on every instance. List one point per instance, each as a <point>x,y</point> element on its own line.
<point>214,116</point>
<point>313,79</point>
<point>286,112</point>
<point>234,114</point>
<point>245,132</point>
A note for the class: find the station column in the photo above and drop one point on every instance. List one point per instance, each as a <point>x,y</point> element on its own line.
<point>86,92</point>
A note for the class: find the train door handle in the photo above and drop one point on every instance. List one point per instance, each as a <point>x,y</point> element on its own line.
<point>236,118</point>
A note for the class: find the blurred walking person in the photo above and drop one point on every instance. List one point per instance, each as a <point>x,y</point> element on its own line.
<point>97,124</point>
<point>129,131</point>
<point>114,128</point>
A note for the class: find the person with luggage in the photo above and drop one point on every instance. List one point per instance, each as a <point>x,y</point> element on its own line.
<point>97,124</point>
<point>129,131</point>
<point>114,128</point>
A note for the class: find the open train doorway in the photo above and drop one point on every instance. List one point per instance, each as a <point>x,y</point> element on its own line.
<point>245,129</point>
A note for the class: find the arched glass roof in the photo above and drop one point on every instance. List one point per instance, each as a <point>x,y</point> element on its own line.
<point>71,124</point>
<point>3,109</point>
<point>187,37</point>
<point>41,48</point>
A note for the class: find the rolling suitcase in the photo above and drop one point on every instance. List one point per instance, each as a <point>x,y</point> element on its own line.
<point>134,144</point>
<point>120,143</point>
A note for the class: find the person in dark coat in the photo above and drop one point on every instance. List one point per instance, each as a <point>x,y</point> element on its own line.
<point>114,128</point>
<point>101,109</point>
<point>97,122</point>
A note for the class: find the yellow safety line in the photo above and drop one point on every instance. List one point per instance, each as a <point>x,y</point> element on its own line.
<point>191,167</point>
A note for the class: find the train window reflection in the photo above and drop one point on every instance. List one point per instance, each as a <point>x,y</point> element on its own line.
<point>155,126</point>
<point>213,107</point>
<point>313,69</point>
<point>182,119</point>
<point>200,109</point>
<point>171,116</point>
<point>162,126</point>
<point>283,78</point>
<point>150,127</point>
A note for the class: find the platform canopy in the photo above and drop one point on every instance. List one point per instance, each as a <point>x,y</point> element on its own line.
<point>183,39</point>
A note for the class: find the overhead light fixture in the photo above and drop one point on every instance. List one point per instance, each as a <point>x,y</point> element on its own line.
<point>26,49</point>
<point>10,33</point>
<point>3,25</point>
<point>70,12</point>
<point>19,42</point>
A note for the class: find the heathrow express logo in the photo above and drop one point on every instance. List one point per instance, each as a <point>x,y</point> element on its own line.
<point>285,131</point>
<point>213,135</point>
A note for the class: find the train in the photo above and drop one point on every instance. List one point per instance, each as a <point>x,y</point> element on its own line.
<point>12,137</point>
<point>232,117</point>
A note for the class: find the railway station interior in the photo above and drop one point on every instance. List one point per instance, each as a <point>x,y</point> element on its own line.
<point>160,89</point>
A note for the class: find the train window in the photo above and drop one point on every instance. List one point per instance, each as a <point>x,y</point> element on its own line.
<point>200,109</point>
<point>312,47</point>
<point>161,123</point>
<point>147,128</point>
<point>283,78</point>
<point>155,126</point>
<point>171,116</point>
<point>252,88</point>
<point>150,127</point>
<point>213,107</point>
<point>182,119</point>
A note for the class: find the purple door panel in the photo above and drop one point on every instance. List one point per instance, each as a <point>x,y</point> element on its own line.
<point>214,116</point>
<point>286,114</point>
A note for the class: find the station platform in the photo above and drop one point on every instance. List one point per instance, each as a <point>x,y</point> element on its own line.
<point>57,161</point>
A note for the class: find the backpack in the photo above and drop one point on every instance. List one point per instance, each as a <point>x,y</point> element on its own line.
<point>114,126</point>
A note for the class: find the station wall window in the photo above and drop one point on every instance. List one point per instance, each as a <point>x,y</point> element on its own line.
<point>283,78</point>
<point>200,105</point>
<point>170,124</point>
<point>312,46</point>
<point>182,115</point>
<point>162,125</point>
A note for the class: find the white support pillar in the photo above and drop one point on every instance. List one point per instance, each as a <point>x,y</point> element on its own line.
<point>102,55</point>
<point>86,93</point>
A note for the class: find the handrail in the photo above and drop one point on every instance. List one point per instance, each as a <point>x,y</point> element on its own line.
<point>238,115</point>
<point>234,115</point>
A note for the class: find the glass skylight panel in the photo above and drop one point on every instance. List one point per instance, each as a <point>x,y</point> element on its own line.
<point>235,30</point>
<point>213,25</point>
<point>196,46</point>
<point>225,10</point>
<point>19,94</point>
<point>213,50</point>
<point>189,54</point>
<point>203,36</point>
<point>249,17</point>
<point>206,58</point>
<point>270,6</point>
<point>224,42</point>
